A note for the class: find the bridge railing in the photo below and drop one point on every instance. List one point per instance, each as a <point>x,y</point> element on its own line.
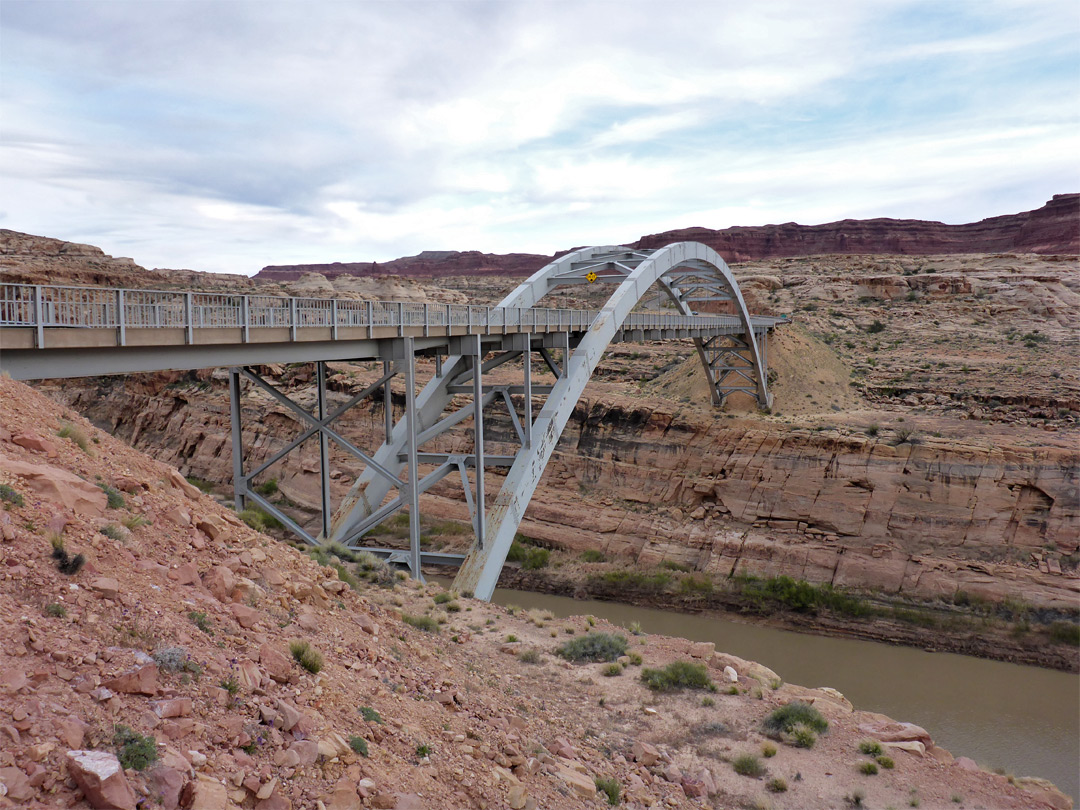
<point>110,308</point>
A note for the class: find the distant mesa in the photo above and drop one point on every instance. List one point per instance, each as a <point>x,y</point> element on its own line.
<point>1053,229</point>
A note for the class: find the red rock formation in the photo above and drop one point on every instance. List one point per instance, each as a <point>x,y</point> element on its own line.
<point>1052,229</point>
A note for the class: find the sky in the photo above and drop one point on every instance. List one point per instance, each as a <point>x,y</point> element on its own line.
<point>223,135</point>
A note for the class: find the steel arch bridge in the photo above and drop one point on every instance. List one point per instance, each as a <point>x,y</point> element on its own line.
<point>689,273</point>
<point>57,332</point>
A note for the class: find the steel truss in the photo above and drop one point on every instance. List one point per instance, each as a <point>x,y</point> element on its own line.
<point>688,273</point>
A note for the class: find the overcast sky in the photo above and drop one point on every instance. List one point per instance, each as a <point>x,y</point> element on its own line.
<point>226,135</point>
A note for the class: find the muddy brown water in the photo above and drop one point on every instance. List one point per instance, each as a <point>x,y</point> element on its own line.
<point>1020,718</point>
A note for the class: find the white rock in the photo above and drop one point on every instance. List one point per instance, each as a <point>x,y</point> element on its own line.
<point>731,675</point>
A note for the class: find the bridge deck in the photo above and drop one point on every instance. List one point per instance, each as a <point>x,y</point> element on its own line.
<point>55,332</point>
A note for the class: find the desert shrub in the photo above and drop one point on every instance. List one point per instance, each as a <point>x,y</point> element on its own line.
<point>691,586</point>
<point>591,555</point>
<point>112,531</point>
<point>786,718</point>
<point>374,569</point>
<point>593,647</point>
<point>870,747</point>
<point>114,500</point>
<point>133,749</point>
<point>259,520</point>
<point>1065,633</point>
<point>800,736</point>
<point>10,497</point>
<point>306,656</point>
<point>202,621</point>
<point>425,623</point>
<point>868,768</point>
<point>677,675</point>
<point>610,788</point>
<point>535,559</point>
<point>230,685</point>
<point>768,750</point>
<point>423,750</point>
<point>529,656</point>
<point>268,487</point>
<point>70,431</point>
<point>512,639</point>
<point>635,659</point>
<point>442,598</point>
<point>133,522</point>
<point>672,565</point>
<point>776,785</point>
<point>64,563</point>
<point>611,670</point>
<point>634,580</point>
<point>875,327</point>
<point>174,659</point>
<point>370,715</point>
<point>517,552</point>
<point>358,744</point>
<point>885,762</point>
<point>56,610</point>
<point>748,765</point>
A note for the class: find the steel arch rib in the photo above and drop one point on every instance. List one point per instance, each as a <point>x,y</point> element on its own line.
<point>480,571</point>
<point>369,490</point>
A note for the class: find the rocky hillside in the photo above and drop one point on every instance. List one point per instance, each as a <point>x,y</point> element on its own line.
<point>158,652</point>
<point>1052,229</point>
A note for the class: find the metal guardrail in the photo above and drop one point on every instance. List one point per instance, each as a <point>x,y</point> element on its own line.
<point>47,306</point>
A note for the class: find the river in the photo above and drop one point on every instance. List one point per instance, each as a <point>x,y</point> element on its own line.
<point>1020,718</point>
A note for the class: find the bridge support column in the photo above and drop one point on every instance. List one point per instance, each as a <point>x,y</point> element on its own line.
<point>239,483</point>
<point>411,462</point>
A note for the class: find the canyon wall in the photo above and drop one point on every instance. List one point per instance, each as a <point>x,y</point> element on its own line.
<point>649,484</point>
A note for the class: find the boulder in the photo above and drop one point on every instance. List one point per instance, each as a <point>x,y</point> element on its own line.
<point>206,793</point>
<point>165,785</point>
<point>59,486</point>
<point>101,779</point>
<point>16,786</point>
<point>220,581</point>
<point>32,441</point>
<point>140,681</point>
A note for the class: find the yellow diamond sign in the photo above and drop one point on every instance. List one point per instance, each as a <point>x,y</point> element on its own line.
<point>590,276</point>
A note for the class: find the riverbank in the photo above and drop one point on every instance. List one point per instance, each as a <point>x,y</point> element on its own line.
<point>920,627</point>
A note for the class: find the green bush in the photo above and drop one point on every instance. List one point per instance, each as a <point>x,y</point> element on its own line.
<point>611,670</point>
<point>886,762</point>
<point>677,675</point>
<point>10,497</point>
<point>423,750</point>
<point>801,736</point>
<point>875,327</point>
<point>786,718</point>
<point>870,747</point>
<point>591,555</point>
<point>200,620</point>
<point>529,656</point>
<point>535,559</point>
<point>358,744</point>
<point>306,656</point>
<point>259,519</point>
<point>133,522</point>
<point>868,768</point>
<point>201,484</point>
<point>768,750</point>
<point>56,610</point>
<point>267,488</point>
<point>64,563</point>
<point>113,497</point>
<point>748,765</point>
<point>70,431</point>
<point>112,531</point>
<point>776,785</point>
<point>593,647</point>
<point>1065,633</point>
<point>442,598</point>
<point>133,749</point>
<point>609,787</point>
<point>634,580</point>
<point>425,623</point>
<point>370,715</point>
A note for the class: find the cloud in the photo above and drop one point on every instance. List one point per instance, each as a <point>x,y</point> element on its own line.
<point>226,136</point>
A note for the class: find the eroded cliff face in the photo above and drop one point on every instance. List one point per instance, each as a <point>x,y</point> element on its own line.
<point>992,517</point>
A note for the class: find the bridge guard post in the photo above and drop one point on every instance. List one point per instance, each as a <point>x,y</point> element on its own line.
<point>411,460</point>
<point>478,439</point>
<point>324,449</point>
<point>239,483</point>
